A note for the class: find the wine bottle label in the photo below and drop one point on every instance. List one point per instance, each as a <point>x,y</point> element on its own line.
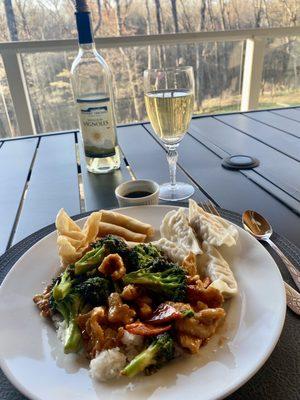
<point>97,126</point>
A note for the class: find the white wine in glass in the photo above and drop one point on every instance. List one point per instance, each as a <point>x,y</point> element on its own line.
<point>170,113</point>
<point>169,98</point>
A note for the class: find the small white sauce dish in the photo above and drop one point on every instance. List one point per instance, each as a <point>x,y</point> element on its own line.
<point>139,185</point>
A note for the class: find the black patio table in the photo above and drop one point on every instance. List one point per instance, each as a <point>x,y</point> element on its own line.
<point>41,174</point>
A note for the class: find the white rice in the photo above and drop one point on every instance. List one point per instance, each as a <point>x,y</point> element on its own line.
<point>61,331</point>
<point>56,318</point>
<point>107,364</point>
<point>133,345</point>
<point>60,326</point>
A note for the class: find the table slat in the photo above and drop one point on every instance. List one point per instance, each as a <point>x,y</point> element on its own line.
<point>147,158</point>
<point>276,167</point>
<point>53,185</point>
<point>277,121</point>
<point>292,113</point>
<point>15,160</point>
<point>99,189</point>
<point>280,141</point>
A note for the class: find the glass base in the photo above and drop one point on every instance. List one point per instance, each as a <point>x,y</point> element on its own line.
<point>178,192</point>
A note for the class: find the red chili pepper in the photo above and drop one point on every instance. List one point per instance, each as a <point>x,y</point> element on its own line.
<point>164,313</point>
<point>139,328</point>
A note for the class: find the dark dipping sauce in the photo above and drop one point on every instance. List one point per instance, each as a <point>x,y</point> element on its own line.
<point>135,195</point>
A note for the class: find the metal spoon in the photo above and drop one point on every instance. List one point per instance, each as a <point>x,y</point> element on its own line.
<point>260,228</point>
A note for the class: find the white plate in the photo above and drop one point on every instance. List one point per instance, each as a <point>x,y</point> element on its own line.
<point>33,359</point>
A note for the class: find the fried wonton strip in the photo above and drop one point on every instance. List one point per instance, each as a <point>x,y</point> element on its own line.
<point>72,242</point>
<point>106,229</point>
<point>91,226</point>
<point>66,226</point>
<point>67,252</point>
<point>126,222</point>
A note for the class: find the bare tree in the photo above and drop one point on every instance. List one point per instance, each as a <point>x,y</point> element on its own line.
<point>291,42</point>
<point>258,12</point>
<point>202,15</point>
<point>161,52</point>
<point>127,4</point>
<point>158,16</point>
<point>224,46</point>
<point>175,15</point>
<point>176,28</point>
<point>235,7</point>
<point>222,6</point>
<point>216,64</point>
<point>21,7</point>
<point>119,18</point>
<point>292,13</point>
<point>148,27</point>
<point>131,71</point>
<point>211,15</point>
<point>187,19</point>
<point>199,57</point>
<point>267,15</point>
<point>11,20</point>
<point>228,15</point>
<point>99,14</point>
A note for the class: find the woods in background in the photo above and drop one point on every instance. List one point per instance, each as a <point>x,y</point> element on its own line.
<point>217,65</point>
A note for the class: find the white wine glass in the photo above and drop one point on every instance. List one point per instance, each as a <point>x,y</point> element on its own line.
<point>169,98</point>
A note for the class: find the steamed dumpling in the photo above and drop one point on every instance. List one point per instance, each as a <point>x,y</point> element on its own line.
<point>171,250</point>
<point>175,227</point>
<point>211,228</point>
<point>219,272</point>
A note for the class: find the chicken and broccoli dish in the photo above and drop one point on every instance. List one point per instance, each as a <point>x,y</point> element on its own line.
<point>132,306</point>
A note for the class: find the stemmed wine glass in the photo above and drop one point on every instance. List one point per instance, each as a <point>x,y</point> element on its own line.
<point>169,98</point>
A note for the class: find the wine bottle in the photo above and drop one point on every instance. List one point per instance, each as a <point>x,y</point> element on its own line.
<point>92,87</point>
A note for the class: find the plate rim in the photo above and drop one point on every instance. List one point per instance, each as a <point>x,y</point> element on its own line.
<point>230,388</point>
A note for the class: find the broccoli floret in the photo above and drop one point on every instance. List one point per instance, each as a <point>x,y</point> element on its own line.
<point>142,256</point>
<point>95,291</point>
<point>114,244</point>
<point>161,264</point>
<point>165,279</point>
<point>70,306</point>
<point>160,351</point>
<point>63,283</point>
<point>91,259</point>
<point>100,249</point>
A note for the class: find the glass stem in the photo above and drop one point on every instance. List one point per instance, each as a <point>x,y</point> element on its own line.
<point>172,157</point>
